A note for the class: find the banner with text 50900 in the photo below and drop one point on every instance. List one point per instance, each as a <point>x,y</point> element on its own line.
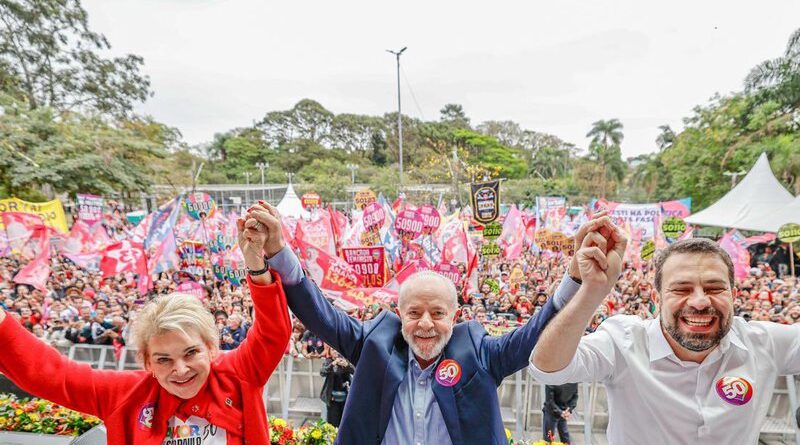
<point>369,262</point>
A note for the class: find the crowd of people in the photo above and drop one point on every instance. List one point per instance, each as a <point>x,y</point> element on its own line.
<point>79,306</point>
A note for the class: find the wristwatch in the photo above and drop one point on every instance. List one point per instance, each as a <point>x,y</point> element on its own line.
<point>255,273</point>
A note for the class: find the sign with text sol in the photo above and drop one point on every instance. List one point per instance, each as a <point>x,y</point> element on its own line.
<point>369,262</point>
<point>364,198</point>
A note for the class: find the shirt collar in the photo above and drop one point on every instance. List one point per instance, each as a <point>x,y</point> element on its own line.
<point>660,348</point>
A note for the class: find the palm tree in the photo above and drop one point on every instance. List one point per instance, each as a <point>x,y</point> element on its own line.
<point>606,136</point>
<point>779,78</point>
<point>666,138</point>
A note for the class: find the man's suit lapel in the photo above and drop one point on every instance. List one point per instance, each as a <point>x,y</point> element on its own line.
<point>394,375</point>
<point>447,404</point>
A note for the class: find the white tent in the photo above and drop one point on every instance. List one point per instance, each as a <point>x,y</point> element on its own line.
<point>291,206</point>
<point>790,213</point>
<point>751,205</point>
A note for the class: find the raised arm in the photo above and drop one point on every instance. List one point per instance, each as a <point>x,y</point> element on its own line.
<point>44,372</point>
<point>600,262</point>
<point>511,352</point>
<point>263,348</point>
<point>305,299</point>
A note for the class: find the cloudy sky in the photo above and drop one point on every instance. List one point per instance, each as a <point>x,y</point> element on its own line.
<point>552,66</point>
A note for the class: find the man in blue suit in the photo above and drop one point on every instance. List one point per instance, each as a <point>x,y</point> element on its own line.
<point>420,378</point>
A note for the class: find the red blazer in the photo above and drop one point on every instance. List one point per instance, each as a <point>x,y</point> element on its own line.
<point>134,407</point>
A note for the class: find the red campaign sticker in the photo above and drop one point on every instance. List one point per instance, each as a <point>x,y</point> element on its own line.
<point>735,390</point>
<point>448,373</point>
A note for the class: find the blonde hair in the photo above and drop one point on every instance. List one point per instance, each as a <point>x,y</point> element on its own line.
<point>175,312</point>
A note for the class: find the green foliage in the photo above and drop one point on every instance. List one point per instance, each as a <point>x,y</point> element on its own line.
<point>67,152</point>
<point>49,56</point>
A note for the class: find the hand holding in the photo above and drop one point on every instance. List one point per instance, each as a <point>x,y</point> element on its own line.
<point>270,220</point>
<point>601,223</point>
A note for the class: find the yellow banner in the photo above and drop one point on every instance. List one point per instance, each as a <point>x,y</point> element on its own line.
<point>51,212</point>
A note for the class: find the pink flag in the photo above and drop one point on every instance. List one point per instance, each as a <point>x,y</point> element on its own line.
<point>318,233</point>
<point>20,227</point>
<point>85,238</point>
<point>37,271</point>
<point>401,276</point>
<point>513,234</point>
<point>733,243</point>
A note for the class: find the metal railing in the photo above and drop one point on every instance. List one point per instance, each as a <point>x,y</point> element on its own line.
<point>294,387</point>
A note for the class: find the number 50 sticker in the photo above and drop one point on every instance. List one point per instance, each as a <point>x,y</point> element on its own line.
<point>735,390</point>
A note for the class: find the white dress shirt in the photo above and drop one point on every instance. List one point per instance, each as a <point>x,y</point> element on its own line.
<point>655,398</point>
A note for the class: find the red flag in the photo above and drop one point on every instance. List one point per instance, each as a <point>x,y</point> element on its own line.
<point>126,256</point>
<point>84,238</point>
<point>328,271</point>
<point>732,242</point>
<point>410,269</point>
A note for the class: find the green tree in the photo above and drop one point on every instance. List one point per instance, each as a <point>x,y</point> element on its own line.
<point>55,60</point>
<point>606,135</point>
<point>453,115</point>
<point>778,79</point>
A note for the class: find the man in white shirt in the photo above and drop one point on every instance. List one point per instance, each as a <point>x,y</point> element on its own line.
<point>695,374</point>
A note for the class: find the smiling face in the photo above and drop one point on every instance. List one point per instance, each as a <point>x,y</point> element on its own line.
<point>180,362</point>
<point>696,303</point>
<point>427,310</point>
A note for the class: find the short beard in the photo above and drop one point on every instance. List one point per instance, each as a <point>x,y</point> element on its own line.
<point>435,350</point>
<point>697,342</point>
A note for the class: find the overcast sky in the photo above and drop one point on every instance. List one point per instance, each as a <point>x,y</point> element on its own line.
<point>552,66</point>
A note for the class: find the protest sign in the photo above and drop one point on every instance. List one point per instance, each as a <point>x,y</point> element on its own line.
<point>485,198</point>
<point>90,208</point>
<point>369,262</point>
<point>51,212</point>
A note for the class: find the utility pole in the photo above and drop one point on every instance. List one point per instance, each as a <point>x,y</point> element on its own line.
<point>399,115</point>
<point>261,166</point>
<point>247,178</point>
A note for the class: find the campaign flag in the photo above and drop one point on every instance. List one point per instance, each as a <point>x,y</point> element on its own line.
<point>733,243</point>
<point>680,208</point>
<point>86,238</point>
<point>20,227</point>
<point>89,261</point>
<point>35,273</point>
<point>410,269</point>
<point>318,233</point>
<point>126,256</point>
<point>758,239</point>
<point>369,262</point>
<point>513,235</point>
<point>368,296</point>
<point>90,208</point>
<point>163,222</point>
<point>485,197</point>
<point>328,271</point>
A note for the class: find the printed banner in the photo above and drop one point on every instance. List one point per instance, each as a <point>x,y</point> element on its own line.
<point>328,271</point>
<point>90,208</point>
<point>51,212</point>
<point>199,205</point>
<point>369,262</point>
<point>485,197</point>
<point>364,198</point>
<point>555,242</point>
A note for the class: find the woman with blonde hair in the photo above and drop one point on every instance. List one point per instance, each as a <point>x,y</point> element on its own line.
<point>189,392</point>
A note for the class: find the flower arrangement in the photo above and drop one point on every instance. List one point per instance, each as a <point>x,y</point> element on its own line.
<point>40,416</point>
<point>281,433</point>
<point>319,433</point>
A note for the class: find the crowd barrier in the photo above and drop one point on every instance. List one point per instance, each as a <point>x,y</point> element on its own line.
<point>293,391</point>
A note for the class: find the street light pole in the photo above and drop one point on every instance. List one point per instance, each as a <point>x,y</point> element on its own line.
<point>399,114</point>
<point>247,178</point>
<point>353,168</point>
<point>261,166</point>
